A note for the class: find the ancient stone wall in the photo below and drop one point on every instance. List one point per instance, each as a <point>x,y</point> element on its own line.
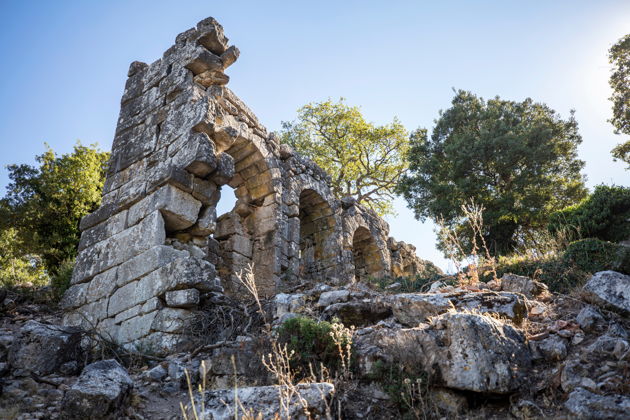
<point>155,245</point>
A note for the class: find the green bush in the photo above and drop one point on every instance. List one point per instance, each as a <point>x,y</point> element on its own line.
<point>557,273</point>
<point>61,280</point>
<point>312,343</point>
<point>412,284</point>
<point>593,255</point>
<point>605,215</point>
<point>396,382</point>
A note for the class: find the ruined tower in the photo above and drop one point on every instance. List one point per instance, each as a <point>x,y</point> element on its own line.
<point>156,244</point>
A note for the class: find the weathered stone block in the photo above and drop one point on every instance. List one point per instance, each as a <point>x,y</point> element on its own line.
<point>104,230</point>
<point>179,209</point>
<point>197,155</point>
<point>119,248</point>
<point>224,171</point>
<point>136,327</point>
<point>102,285</point>
<point>186,298</point>
<point>207,223</point>
<point>146,262</point>
<point>171,320</point>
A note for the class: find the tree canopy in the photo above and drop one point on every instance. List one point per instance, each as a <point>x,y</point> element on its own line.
<point>364,160</point>
<point>619,57</point>
<point>44,204</point>
<point>516,159</point>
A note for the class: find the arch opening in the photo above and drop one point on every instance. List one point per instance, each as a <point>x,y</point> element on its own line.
<point>244,233</point>
<point>317,225</point>
<point>366,255</point>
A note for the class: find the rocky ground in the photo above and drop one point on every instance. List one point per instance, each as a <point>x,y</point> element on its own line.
<point>506,349</point>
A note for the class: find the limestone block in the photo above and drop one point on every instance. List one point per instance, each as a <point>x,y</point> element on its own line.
<point>186,298</point>
<point>213,39</point>
<point>179,209</point>
<point>211,78</point>
<point>224,171</point>
<point>206,192</point>
<point>149,306</point>
<point>230,56</point>
<point>197,156</point>
<point>146,262</point>
<point>102,285</point>
<point>204,61</point>
<point>182,273</point>
<point>131,192</point>
<point>207,223</point>
<point>104,230</point>
<point>172,320</point>
<point>119,248</point>
<point>97,216</point>
<point>228,225</point>
<point>75,296</point>
<point>136,327</point>
<point>165,173</point>
<point>240,244</point>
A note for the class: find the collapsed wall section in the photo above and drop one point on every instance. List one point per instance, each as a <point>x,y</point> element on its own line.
<point>155,248</point>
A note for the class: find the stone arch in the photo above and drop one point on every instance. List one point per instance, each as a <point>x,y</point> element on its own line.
<point>317,225</point>
<point>247,234</point>
<point>366,255</point>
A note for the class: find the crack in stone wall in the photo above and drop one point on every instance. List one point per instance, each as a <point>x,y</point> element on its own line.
<point>155,245</point>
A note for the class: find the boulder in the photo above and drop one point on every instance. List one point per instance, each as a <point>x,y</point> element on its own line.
<point>332,297</point>
<point>464,351</point>
<point>583,404</point>
<point>358,313</point>
<point>413,308</point>
<point>99,393</point>
<point>263,402</point>
<point>609,289</point>
<point>523,285</point>
<point>42,348</point>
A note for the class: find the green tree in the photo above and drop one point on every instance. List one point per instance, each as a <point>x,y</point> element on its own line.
<point>619,57</point>
<point>516,159</point>
<point>17,268</point>
<point>46,203</point>
<point>364,160</point>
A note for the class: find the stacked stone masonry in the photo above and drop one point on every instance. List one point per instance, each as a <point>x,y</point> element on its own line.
<point>155,244</point>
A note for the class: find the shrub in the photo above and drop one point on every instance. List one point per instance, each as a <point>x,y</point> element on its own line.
<point>61,280</point>
<point>311,342</point>
<point>593,255</point>
<point>557,273</point>
<point>402,386</point>
<point>605,215</point>
<point>412,284</point>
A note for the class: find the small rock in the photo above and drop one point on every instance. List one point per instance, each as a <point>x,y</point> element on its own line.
<point>553,348</point>
<point>589,318</point>
<point>70,368</point>
<point>157,373</point>
<point>584,404</point>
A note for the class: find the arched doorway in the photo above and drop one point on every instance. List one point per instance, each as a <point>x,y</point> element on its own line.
<point>317,224</point>
<point>366,255</point>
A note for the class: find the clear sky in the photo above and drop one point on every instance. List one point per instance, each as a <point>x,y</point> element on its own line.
<point>64,64</point>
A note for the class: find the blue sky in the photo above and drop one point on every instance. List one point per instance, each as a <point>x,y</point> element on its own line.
<point>64,65</point>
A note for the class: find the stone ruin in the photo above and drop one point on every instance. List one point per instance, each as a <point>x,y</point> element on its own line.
<point>156,244</point>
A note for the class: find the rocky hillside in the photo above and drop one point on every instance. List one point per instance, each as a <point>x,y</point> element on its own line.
<point>504,349</point>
